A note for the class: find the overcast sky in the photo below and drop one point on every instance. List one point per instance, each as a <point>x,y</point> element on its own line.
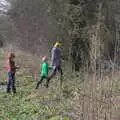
<point>4,6</point>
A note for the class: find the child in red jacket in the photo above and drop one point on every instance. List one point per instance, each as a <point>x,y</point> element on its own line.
<point>11,68</point>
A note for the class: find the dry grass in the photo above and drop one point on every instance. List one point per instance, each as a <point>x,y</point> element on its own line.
<point>85,96</point>
<point>96,99</point>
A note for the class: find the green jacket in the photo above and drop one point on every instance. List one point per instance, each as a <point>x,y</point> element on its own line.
<point>45,69</point>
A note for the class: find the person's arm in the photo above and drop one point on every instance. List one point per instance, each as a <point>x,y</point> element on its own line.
<point>17,67</point>
<point>52,56</point>
<point>50,67</point>
<point>8,65</point>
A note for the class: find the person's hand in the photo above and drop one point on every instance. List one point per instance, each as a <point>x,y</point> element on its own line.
<point>51,64</point>
<point>54,67</point>
<point>18,67</point>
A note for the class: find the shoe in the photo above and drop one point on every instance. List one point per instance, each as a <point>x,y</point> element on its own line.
<point>46,85</point>
<point>36,88</point>
<point>8,91</point>
<point>14,92</point>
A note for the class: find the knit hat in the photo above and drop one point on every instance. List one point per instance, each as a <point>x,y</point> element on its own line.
<point>57,44</point>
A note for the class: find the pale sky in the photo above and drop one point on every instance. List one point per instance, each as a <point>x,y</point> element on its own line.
<point>4,5</point>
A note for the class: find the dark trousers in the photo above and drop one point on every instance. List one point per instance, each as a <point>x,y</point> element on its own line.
<point>40,81</point>
<point>11,82</point>
<point>56,69</point>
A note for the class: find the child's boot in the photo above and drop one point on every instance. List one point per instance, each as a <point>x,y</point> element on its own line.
<point>8,91</point>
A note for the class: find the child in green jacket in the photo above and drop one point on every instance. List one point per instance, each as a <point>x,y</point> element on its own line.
<point>44,72</point>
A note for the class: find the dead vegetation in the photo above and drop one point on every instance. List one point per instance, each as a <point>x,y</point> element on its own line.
<point>89,31</point>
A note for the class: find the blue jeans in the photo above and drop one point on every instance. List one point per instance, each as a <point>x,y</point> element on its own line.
<point>11,82</point>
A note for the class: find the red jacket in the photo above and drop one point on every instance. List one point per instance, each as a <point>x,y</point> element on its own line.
<point>11,66</point>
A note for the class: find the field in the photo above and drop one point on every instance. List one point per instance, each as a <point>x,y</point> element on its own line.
<point>81,97</point>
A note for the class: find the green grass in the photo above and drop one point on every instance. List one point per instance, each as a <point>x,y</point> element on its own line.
<point>80,94</point>
<point>49,104</point>
<point>31,104</point>
<point>28,103</point>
